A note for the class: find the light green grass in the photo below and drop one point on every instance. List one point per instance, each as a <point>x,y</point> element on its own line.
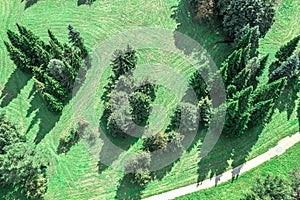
<point>75,175</point>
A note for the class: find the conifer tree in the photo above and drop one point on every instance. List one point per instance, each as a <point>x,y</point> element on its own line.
<point>287,69</point>
<point>287,50</point>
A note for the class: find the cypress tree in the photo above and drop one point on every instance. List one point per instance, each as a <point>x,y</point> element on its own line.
<point>141,107</point>
<point>287,50</point>
<point>18,58</point>
<point>269,91</point>
<point>287,69</point>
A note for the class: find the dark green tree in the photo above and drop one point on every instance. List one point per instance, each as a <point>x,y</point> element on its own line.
<point>22,169</point>
<point>295,176</point>
<point>238,113</point>
<point>9,134</point>
<point>242,13</point>
<point>287,69</point>
<point>123,62</point>
<point>270,188</point>
<point>141,108</point>
<point>287,50</point>
<point>137,166</point>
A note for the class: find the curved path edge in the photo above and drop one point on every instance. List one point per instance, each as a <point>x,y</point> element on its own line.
<point>278,150</point>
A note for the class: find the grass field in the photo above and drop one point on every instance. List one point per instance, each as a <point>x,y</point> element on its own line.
<point>76,175</point>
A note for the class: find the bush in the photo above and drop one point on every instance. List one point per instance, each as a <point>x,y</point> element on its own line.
<point>73,136</point>
<point>137,167</point>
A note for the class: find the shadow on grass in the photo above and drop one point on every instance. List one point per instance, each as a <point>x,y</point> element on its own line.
<point>128,190</point>
<point>228,152</point>
<point>85,2</point>
<point>29,3</point>
<point>45,119</point>
<point>13,87</point>
<point>287,101</point>
<point>112,147</point>
<point>209,35</point>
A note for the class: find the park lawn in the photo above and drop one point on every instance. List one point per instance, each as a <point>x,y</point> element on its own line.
<point>75,175</point>
<point>278,166</point>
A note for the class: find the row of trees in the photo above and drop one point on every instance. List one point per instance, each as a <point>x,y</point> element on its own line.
<point>274,187</point>
<point>248,104</point>
<point>21,166</point>
<point>237,16</point>
<point>55,66</point>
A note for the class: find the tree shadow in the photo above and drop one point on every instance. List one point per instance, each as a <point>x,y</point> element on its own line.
<point>209,35</point>
<point>112,146</point>
<point>128,190</point>
<point>228,152</point>
<point>45,119</point>
<point>29,3</point>
<point>287,101</point>
<point>16,82</point>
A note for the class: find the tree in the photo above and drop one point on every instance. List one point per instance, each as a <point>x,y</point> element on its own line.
<point>18,58</point>
<point>287,69</point>
<point>203,9</point>
<point>61,72</point>
<point>77,41</point>
<point>185,119</point>
<point>295,175</point>
<point>21,168</point>
<point>270,188</point>
<point>205,109</point>
<point>198,84</point>
<point>270,91</point>
<point>137,166</point>
<point>241,13</point>
<point>141,107</point>
<point>287,50</point>
<point>124,61</point>
<point>238,113</point>
<point>120,122</point>
<point>155,142</point>
<point>222,6</point>
<point>9,134</point>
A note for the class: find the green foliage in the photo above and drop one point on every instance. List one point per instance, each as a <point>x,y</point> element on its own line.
<point>138,167</point>
<point>198,84</point>
<point>141,108</point>
<point>72,137</point>
<point>54,67</point>
<point>120,122</point>
<point>295,183</point>
<point>124,61</point>
<point>238,113</point>
<point>9,133</point>
<point>242,13</point>
<point>77,41</point>
<point>205,109</point>
<point>61,72</point>
<point>270,188</point>
<point>287,50</point>
<point>287,69</point>
<point>185,119</point>
<point>155,142</point>
<point>20,166</point>
<point>269,91</point>
<point>261,113</point>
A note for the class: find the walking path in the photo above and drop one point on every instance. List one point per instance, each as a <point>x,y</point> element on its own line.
<point>279,149</point>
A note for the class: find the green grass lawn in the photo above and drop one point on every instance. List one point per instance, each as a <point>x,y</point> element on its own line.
<point>75,175</point>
